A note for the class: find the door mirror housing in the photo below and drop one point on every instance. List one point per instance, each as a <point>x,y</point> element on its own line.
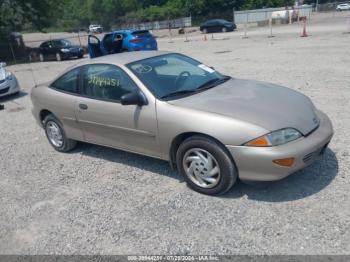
<point>133,99</point>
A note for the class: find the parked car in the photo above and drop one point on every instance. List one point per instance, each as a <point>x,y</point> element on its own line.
<point>8,82</point>
<point>121,41</point>
<point>93,29</point>
<point>343,7</point>
<point>59,49</point>
<point>213,128</point>
<point>217,25</point>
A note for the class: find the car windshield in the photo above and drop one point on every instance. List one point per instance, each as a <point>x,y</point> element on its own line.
<point>63,43</point>
<point>173,75</point>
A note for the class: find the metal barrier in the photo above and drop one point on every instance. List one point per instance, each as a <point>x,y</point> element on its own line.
<point>260,15</point>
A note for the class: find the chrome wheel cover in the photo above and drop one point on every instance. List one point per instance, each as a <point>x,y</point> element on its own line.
<point>201,167</point>
<point>54,134</point>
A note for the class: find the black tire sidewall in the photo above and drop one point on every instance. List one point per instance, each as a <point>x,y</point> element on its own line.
<point>227,167</point>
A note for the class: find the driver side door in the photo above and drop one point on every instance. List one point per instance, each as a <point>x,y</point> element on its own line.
<point>105,121</point>
<point>94,46</point>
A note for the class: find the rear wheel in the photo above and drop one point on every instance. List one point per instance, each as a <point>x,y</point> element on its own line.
<point>41,57</point>
<point>224,29</point>
<point>205,31</point>
<point>56,134</point>
<point>206,166</point>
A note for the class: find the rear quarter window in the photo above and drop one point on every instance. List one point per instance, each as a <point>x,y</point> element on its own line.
<point>68,82</point>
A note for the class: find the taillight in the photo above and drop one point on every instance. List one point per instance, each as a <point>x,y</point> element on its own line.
<point>136,40</point>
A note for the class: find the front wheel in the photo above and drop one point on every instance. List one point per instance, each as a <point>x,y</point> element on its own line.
<point>41,57</point>
<point>205,31</point>
<point>206,166</point>
<point>56,135</point>
<point>58,57</point>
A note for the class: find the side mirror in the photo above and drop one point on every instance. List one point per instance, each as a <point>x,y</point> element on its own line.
<point>3,64</point>
<point>133,99</point>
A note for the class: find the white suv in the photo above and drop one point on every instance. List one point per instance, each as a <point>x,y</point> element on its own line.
<point>95,29</point>
<point>343,7</point>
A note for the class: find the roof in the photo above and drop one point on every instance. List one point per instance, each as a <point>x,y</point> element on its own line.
<point>124,58</point>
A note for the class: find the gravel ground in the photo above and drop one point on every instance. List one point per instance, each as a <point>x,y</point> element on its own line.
<point>100,200</point>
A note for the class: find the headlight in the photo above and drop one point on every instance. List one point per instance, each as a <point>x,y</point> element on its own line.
<point>8,75</point>
<point>65,50</point>
<point>276,138</point>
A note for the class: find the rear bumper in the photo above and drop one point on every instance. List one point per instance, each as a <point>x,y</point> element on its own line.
<point>255,163</point>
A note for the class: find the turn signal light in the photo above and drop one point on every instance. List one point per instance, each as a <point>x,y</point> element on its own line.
<point>261,141</point>
<point>284,162</point>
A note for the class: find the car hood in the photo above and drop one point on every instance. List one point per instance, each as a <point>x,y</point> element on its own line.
<point>266,105</point>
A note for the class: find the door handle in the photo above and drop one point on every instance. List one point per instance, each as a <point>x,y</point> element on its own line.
<point>83,106</point>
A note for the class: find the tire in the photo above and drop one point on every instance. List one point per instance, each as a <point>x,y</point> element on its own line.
<point>58,57</point>
<point>224,29</point>
<point>205,31</point>
<point>80,56</point>
<point>194,155</point>
<point>51,122</point>
<point>41,57</point>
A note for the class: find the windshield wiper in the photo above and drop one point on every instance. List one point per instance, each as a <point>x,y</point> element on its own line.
<point>209,84</point>
<point>212,83</point>
<point>181,92</point>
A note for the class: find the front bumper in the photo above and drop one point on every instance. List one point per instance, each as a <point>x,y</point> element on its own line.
<point>70,54</point>
<point>255,163</point>
<point>9,87</point>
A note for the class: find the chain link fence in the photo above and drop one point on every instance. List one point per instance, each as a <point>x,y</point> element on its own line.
<point>158,25</point>
<point>263,15</point>
<point>20,48</point>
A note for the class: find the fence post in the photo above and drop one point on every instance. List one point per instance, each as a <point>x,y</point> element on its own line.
<point>233,16</point>
<point>245,26</point>
<point>79,38</point>
<point>270,25</point>
<point>13,53</point>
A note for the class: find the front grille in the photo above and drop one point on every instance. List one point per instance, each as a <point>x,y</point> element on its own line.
<point>310,157</point>
<point>307,158</point>
<point>5,90</point>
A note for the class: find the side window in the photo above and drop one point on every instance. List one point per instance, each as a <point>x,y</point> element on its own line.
<point>45,45</point>
<point>107,82</point>
<point>68,82</point>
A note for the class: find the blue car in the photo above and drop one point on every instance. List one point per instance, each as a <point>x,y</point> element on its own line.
<point>121,41</point>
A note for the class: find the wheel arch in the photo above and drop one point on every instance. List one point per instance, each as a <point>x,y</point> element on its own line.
<point>176,142</point>
<point>43,114</point>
